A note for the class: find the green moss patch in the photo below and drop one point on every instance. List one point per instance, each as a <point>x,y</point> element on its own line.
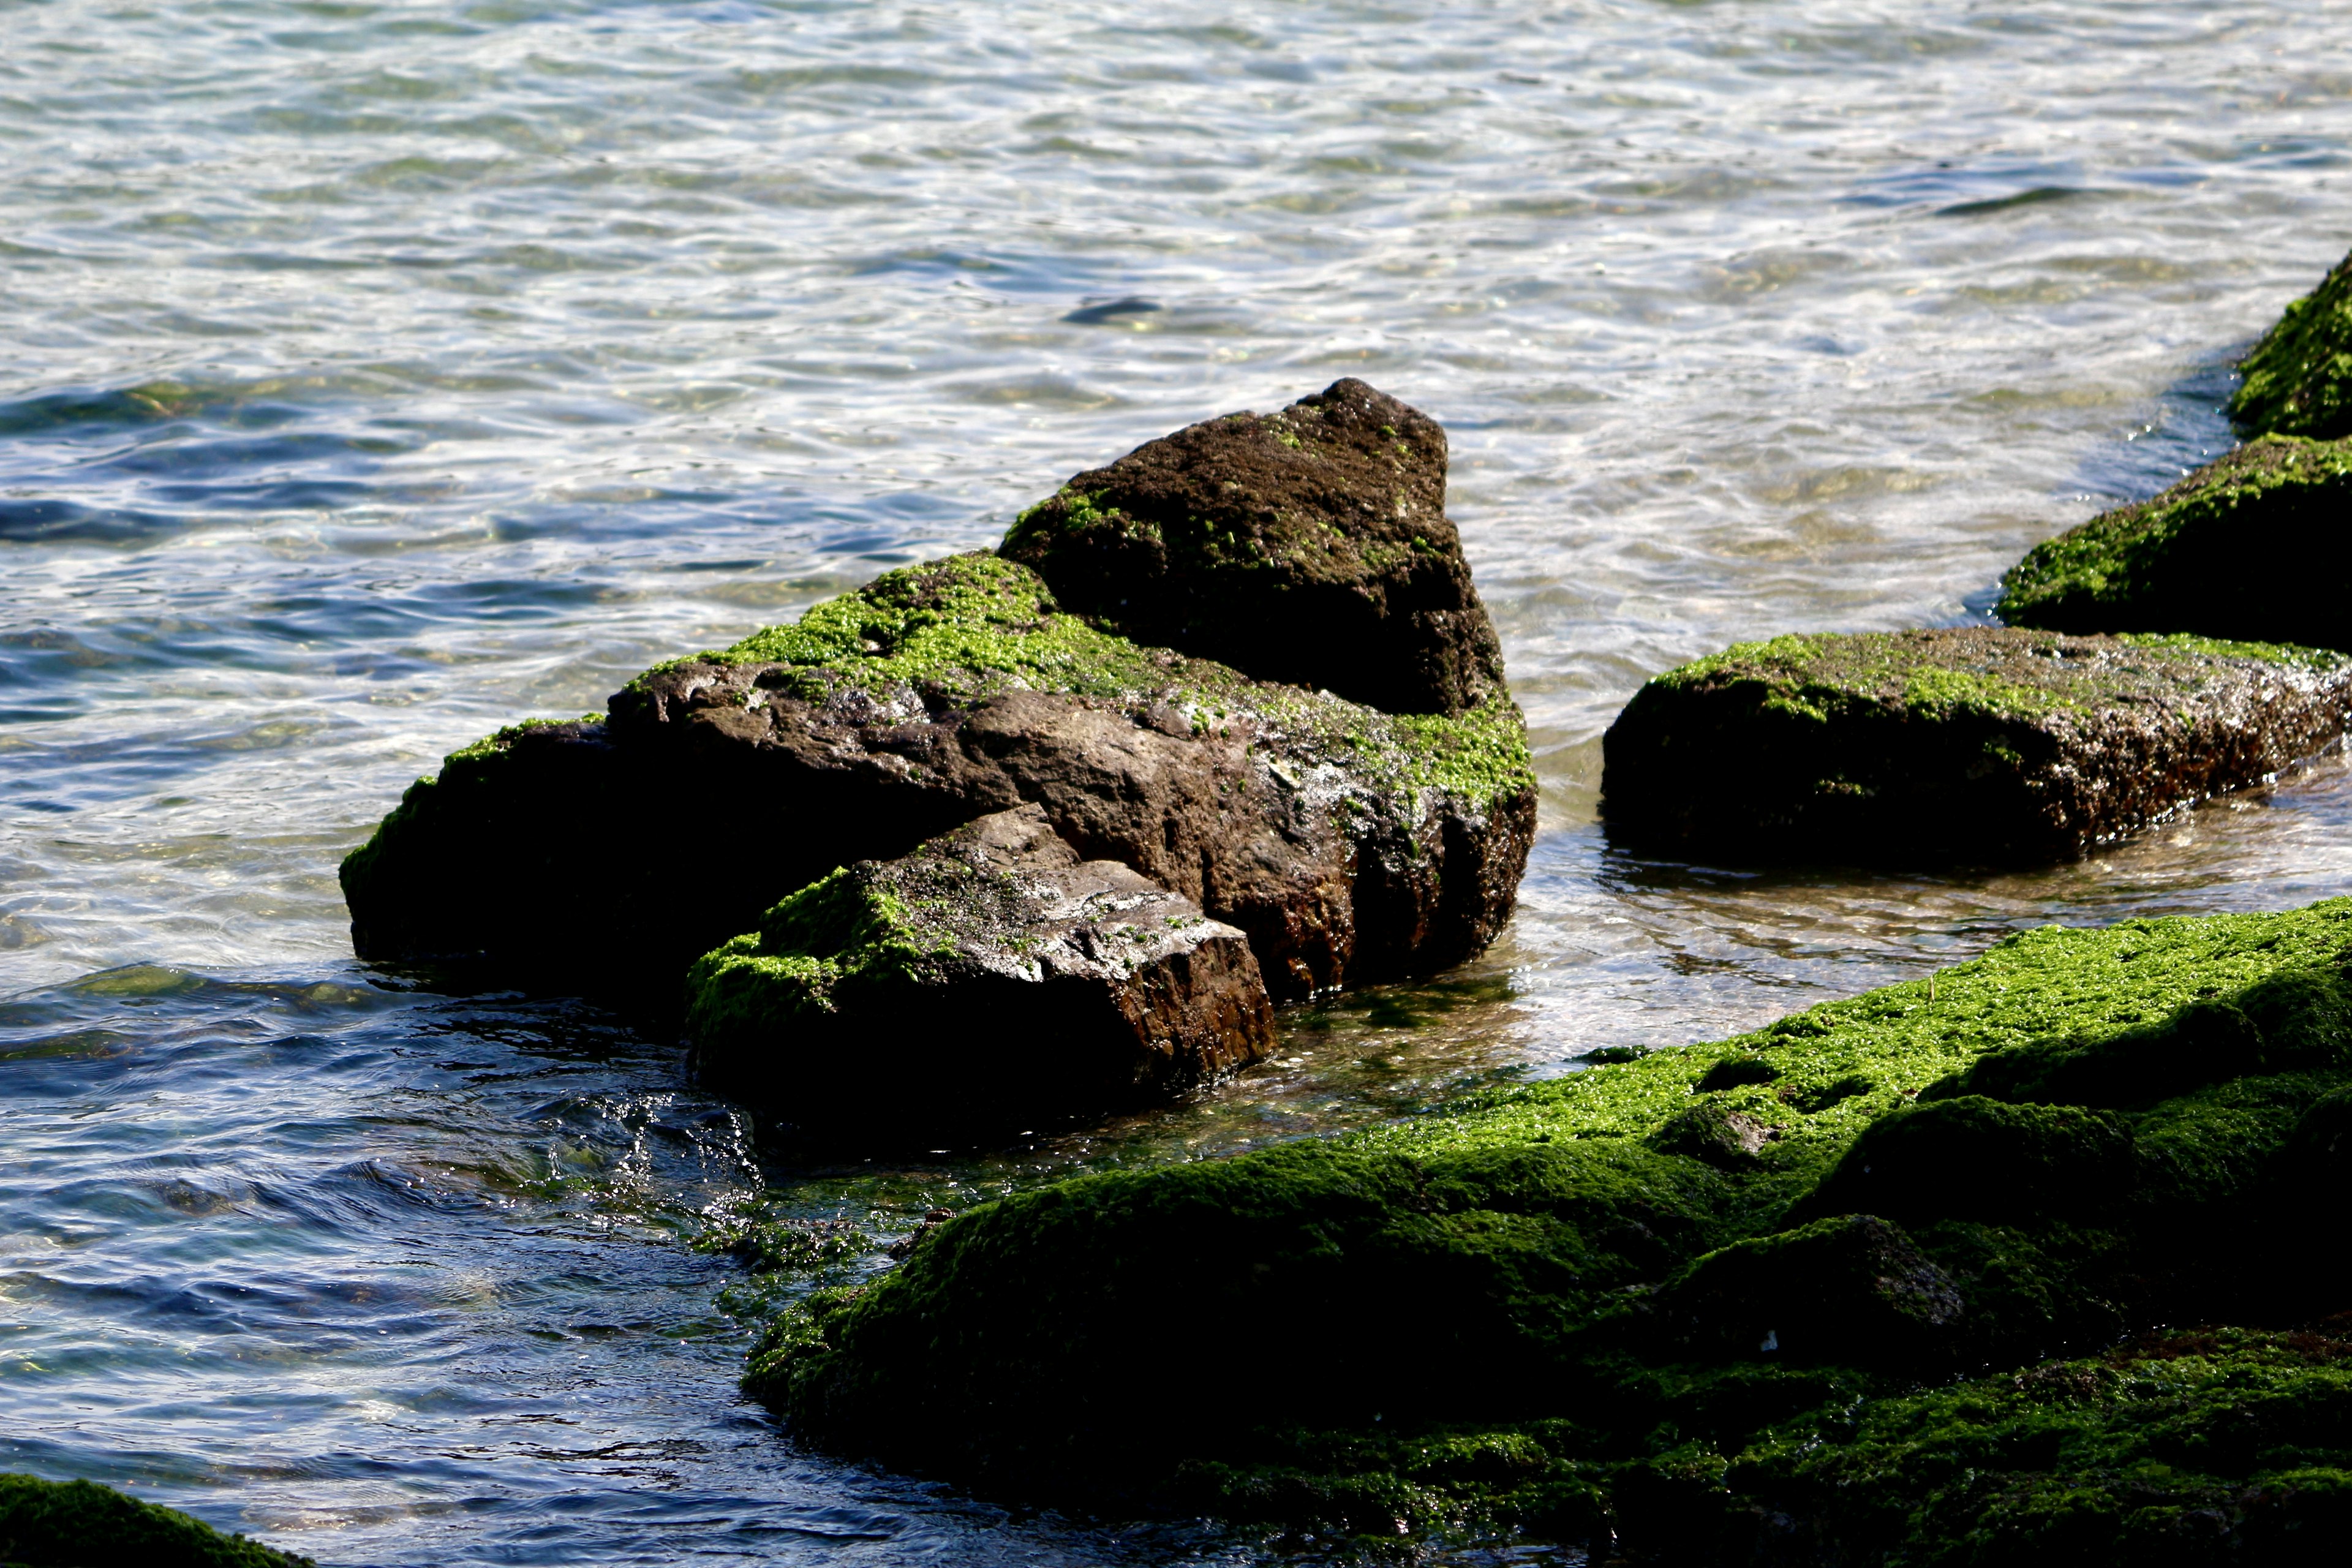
<point>80,1524</point>
<point>2298,378</point>
<point>2226,551</point>
<point>1932,676</point>
<point>974,625</point>
<point>1534,1310</point>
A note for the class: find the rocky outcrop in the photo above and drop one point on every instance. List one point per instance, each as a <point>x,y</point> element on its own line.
<point>2254,545</point>
<point>991,980</point>
<point>2298,378</point>
<point>1349,845</point>
<point>1309,546</point>
<point>1969,745</point>
<point>80,1524</point>
<point>1582,1329</point>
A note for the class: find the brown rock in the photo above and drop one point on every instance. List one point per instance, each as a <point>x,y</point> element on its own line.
<point>1309,546</point>
<point>1974,744</point>
<point>1349,846</point>
<point>985,981</point>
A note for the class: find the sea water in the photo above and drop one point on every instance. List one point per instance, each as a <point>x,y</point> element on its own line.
<point>374,374</point>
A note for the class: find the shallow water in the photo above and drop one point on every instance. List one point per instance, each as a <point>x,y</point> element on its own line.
<point>375,373</point>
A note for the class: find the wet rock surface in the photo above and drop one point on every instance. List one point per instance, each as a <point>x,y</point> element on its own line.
<point>1309,546</point>
<point>1971,745</point>
<point>989,980</point>
<point>2257,544</point>
<point>1351,845</point>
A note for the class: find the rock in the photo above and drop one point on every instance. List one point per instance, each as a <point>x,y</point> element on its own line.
<point>2254,545</point>
<point>987,981</point>
<point>80,1524</point>
<point>1722,1137</point>
<point>1524,1293</point>
<point>1351,845</point>
<point>1971,1158</point>
<point>1971,745</point>
<point>1309,546</point>
<point>2298,378</point>
<point>1851,1289</point>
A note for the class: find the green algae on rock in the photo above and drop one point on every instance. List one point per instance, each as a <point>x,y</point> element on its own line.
<point>2257,544</point>
<point>1351,845</point>
<point>2298,378</point>
<point>1525,1311</point>
<point>983,983</point>
<point>1309,546</point>
<point>80,1524</point>
<point>2214,1446</point>
<point>1968,744</point>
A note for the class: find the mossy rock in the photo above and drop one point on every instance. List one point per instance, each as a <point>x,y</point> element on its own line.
<point>987,983</point>
<point>1964,746</point>
<point>1309,546</point>
<point>2254,545</point>
<point>1596,1328</point>
<point>2298,378</point>
<point>1351,845</point>
<point>80,1524</point>
<point>2181,1449</point>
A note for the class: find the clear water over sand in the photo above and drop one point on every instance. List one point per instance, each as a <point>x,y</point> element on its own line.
<point>374,374</point>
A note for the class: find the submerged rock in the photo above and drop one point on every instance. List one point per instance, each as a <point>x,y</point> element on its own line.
<point>986,981</point>
<point>1524,1315</point>
<point>80,1524</point>
<point>2257,544</point>
<point>1309,546</point>
<point>2298,378</point>
<point>1970,745</point>
<point>1351,845</point>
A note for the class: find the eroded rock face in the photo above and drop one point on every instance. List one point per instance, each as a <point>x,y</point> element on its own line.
<point>986,981</point>
<point>2256,544</point>
<point>1987,746</point>
<point>1349,845</point>
<point>1309,546</point>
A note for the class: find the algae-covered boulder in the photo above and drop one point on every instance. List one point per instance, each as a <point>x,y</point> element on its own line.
<point>1351,845</point>
<point>2257,544</point>
<point>2298,378</point>
<point>80,1524</point>
<point>2181,1449</point>
<point>987,980</point>
<point>1969,744</point>
<point>1525,1312</point>
<point>1309,546</point>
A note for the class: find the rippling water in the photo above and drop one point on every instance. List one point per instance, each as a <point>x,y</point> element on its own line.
<point>375,373</point>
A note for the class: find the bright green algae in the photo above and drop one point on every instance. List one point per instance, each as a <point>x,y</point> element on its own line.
<point>1498,1316</point>
<point>2298,378</point>
<point>1820,676</point>
<point>974,625</point>
<point>2166,564</point>
<point>79,1524</point>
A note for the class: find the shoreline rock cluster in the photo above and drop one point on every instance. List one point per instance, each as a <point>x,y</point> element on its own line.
<point>770,817</point>
<point>2187,660</point>
<point>2030,1262</point>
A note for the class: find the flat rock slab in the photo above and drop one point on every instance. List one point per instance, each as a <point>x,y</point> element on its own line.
<point>2297,381</point>
<point>1309,546</point>
<point>1983,745</point>
<point>989,979</point>
<point>1351,845</point>
<point>2256,545</point>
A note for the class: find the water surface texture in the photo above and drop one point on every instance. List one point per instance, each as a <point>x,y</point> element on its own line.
<point>377,374</point>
